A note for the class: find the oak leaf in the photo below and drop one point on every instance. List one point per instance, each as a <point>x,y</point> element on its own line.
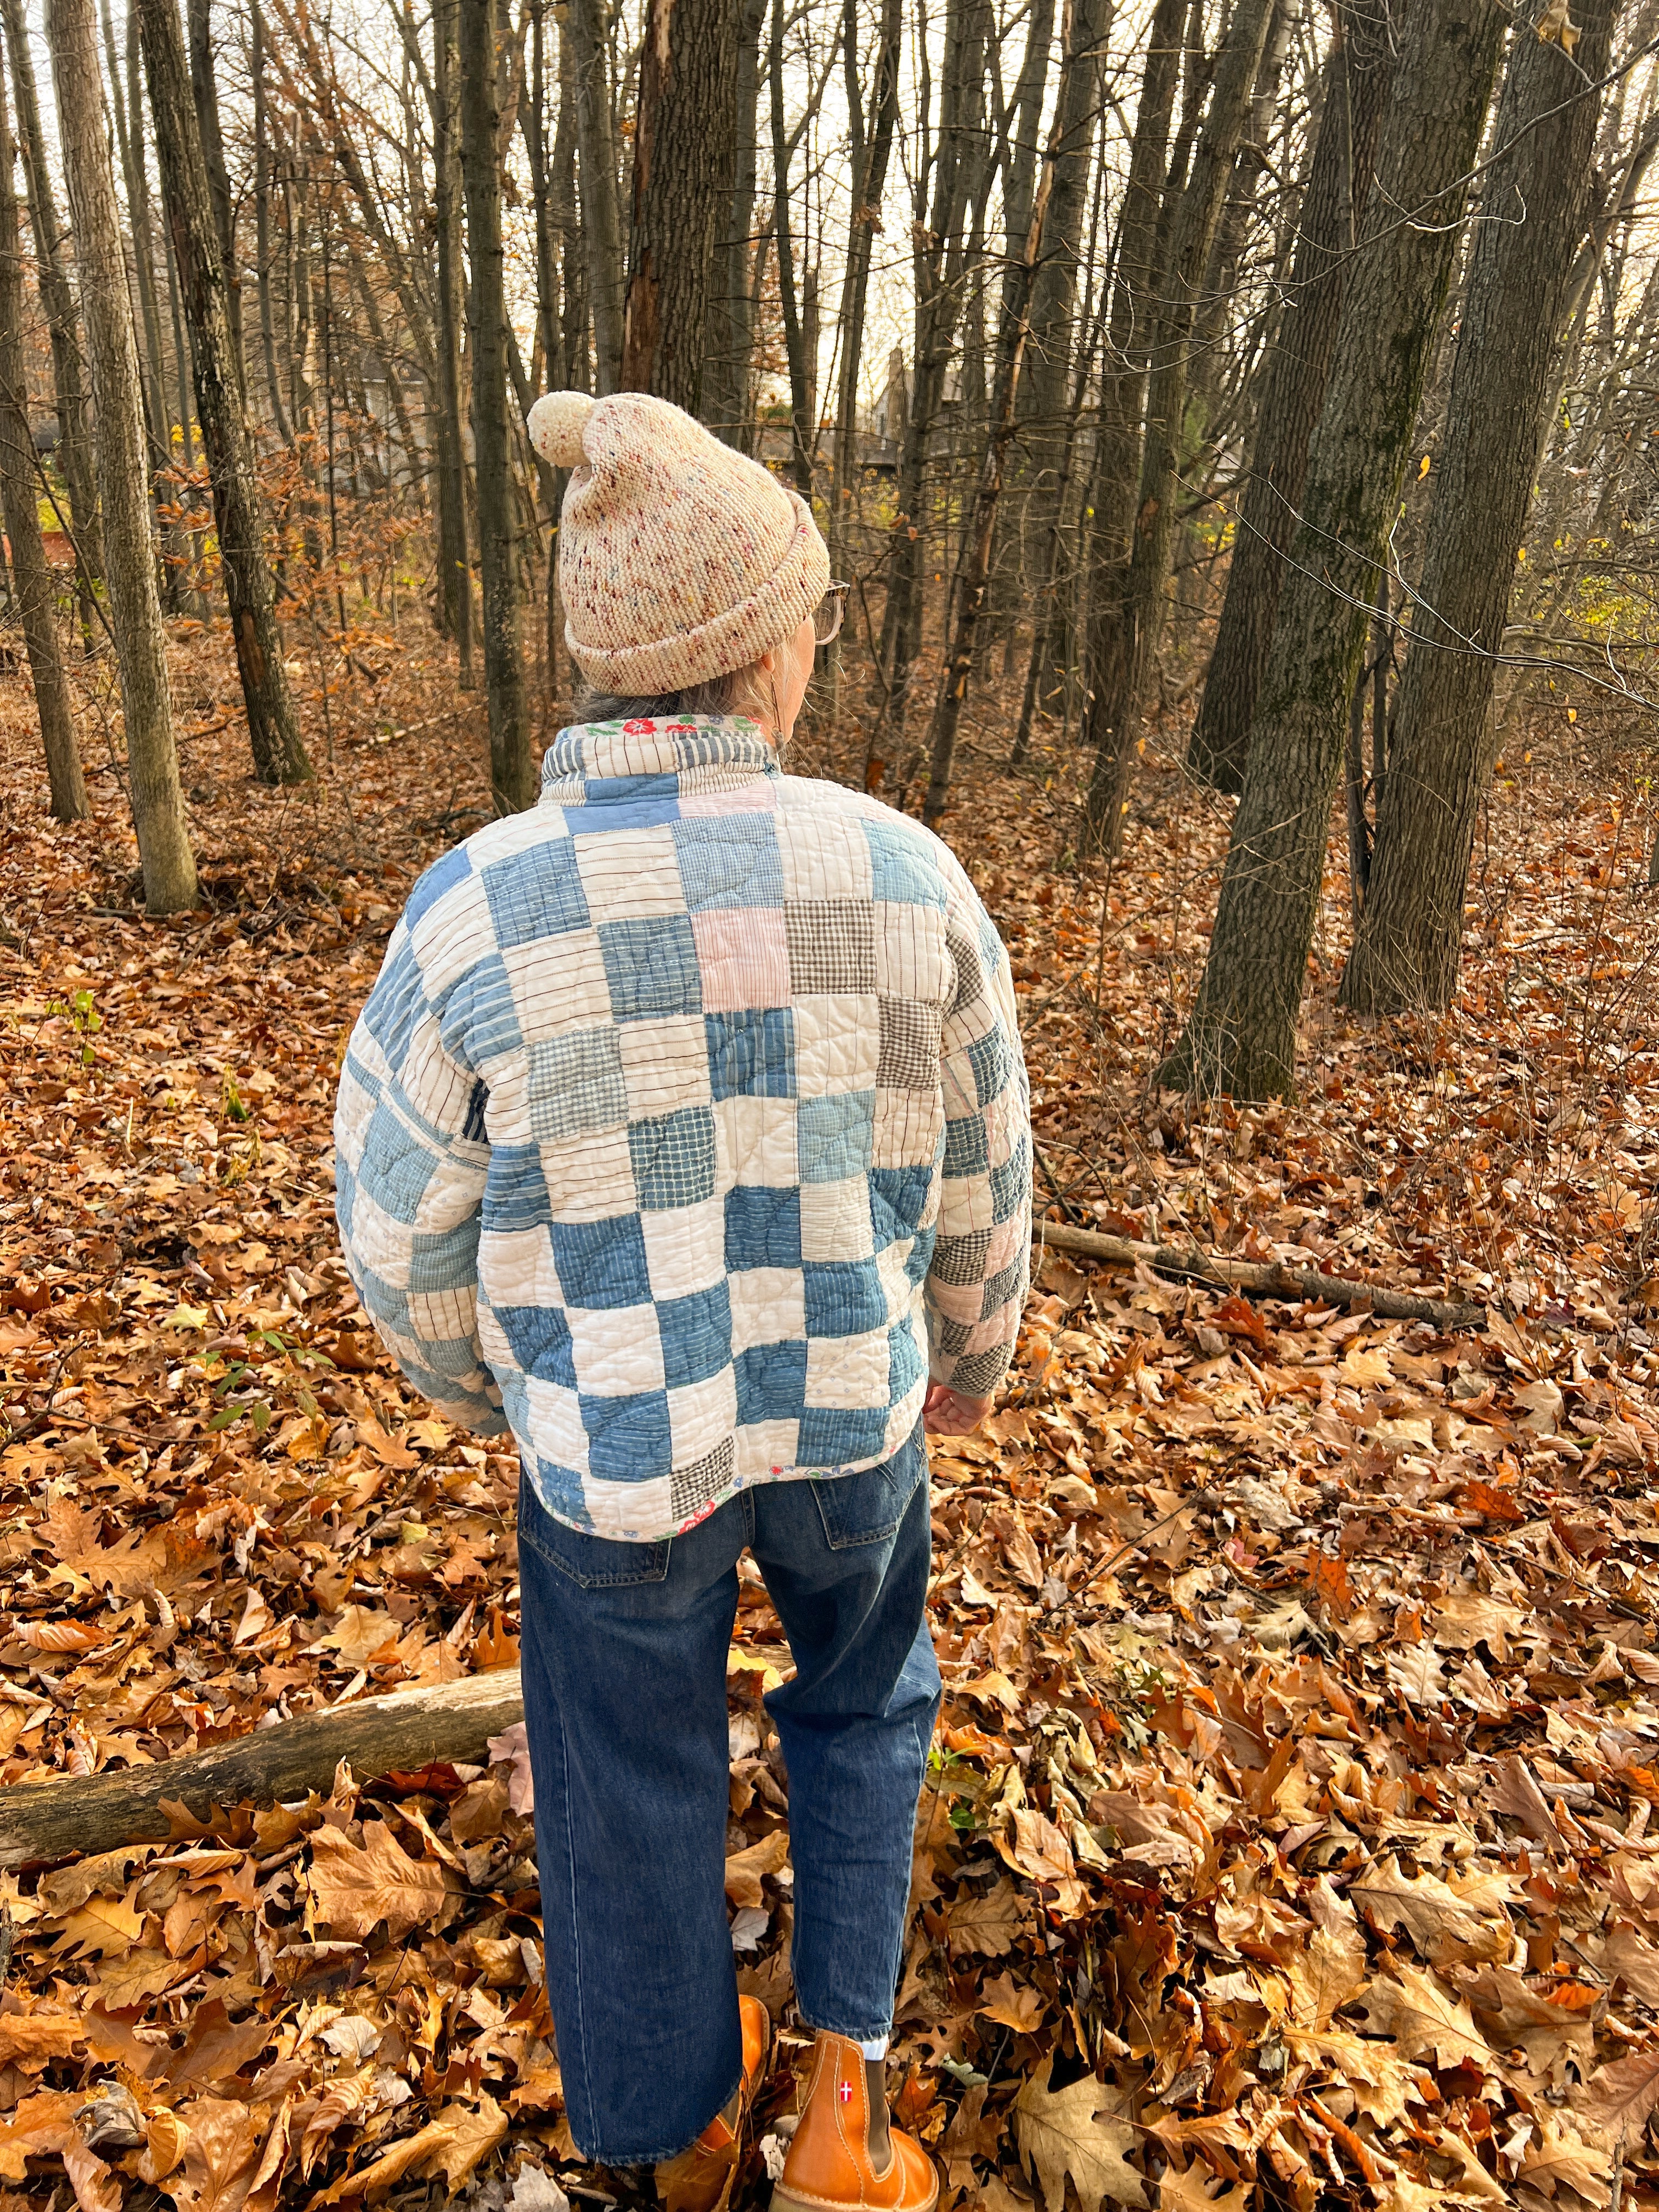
<point>221,2150</point>
<point>744,1870</point>
<point>1563,2158</point>
<point>1077,2132</point>
<point>1013,2004</point>
<point>356,1889</point>
<point>1444,1928</point>
<point>1617,2102</point>
<point>989,1925</point>
<point>454,2144</point>
<point>1424,2018</point>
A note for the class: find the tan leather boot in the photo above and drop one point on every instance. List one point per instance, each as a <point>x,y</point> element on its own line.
<point>699,2180</point>
<point>832,2165</point>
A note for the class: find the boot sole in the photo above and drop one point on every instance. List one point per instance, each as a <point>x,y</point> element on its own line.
<point>785,2200</point>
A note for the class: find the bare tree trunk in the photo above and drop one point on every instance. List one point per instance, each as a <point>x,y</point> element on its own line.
<point>1113,716</point>
<point>975,576</point>
<point>69,383</point>
<point>802,428</point>
<point>601,209</point>
<point>205,93</point>
<point>262,188</point>
<point>1357,79</point>
<point>31,577</point>
<point>871,156</point>
<point>158,804</point>
<point>1240,1037</point>
<point>454,565</point>
<point>511,771</point>
<point>142,264</point>
<point>279,756</point>
<point>731,319</point>
<point>683,166</point>
<point>1534,198</point>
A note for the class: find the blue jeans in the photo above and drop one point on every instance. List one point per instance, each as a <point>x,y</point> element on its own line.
<point>624,1649</point>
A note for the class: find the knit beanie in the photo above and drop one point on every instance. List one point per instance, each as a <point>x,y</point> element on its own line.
<point>679,560</point>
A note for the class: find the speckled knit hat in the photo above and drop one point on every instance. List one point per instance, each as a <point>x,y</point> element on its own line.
<point>679,559</point>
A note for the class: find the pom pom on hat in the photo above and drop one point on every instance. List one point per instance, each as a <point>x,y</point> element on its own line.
<point>557,423</point>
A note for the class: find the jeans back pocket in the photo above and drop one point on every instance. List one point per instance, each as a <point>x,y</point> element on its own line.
<point>866,1507</point>
<point>590,1562</point>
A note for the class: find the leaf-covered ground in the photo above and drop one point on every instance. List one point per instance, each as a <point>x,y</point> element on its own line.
<point>1287,1841</point>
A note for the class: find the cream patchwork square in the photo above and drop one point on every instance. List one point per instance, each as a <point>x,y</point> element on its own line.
<point>617,1349</point>
<point>622,1510</point>
<point>837,1044</point>
<point>909,1126</point>
<point>558,984</point>
<point>685,1249</point>
<point>755,1143</point>
<point>701,1416</point>
<point>589,1177</point>
<point>825,855</point>
<point>768,1306</point>
<point>556,1422</point>
<point>665,1064</point>
<point>834,1220</point>
<point>446,938</point>
<point>846,1370</point>
<point>516,1268</point>
<point>911,959</point>
<point>628,875</point>
<point>516,833</point>
<point>767,1448</point>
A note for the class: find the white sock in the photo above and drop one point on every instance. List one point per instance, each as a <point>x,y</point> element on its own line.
<point>876,2048</point>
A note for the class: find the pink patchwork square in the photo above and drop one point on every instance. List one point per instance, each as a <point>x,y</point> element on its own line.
<point>743,955</point>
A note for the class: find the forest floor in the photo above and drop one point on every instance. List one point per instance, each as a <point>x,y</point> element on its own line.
<point>1287,1841</point>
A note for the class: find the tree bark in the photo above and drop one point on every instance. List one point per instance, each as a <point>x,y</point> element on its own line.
<point>261,189</point>
<point>1112,716</point>
<point>601,205</point>
<point>1534,201</point>
<point>1240,1037</point>
<point>31,577</point>
<point>158,806</point>
<point>802,428</point>
<point>731,316</point>
<point>204,92</point>
<point>871,152</point>
<point>126,141</point>
<point>454,564</point>
<point>402,1732</point>
<point>511,771</point>
<point>279,755</point>
<point>69,383</point>
<point>1296,370</point>
<point>682,169</point>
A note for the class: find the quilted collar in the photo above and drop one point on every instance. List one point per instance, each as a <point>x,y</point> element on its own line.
<point>595,762</point>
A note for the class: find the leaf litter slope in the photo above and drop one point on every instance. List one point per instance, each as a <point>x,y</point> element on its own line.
<point>1285,1840</point>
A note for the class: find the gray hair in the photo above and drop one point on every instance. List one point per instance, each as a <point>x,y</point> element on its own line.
<point>730,693</point>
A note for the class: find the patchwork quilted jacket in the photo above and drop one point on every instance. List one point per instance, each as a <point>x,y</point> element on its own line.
<point>686,1130</point>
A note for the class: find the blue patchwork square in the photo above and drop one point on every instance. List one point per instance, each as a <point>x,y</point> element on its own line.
<point>898,1197</point>
<point>480,1022</point>
<point>576,1085</point>
<point>397,1002</point>
<point>627,812</point>
<point>697,1335</point>
<point>992,1064</point>
<point>601,1264</point>
<point>442,876</point>
<point>396,1169</point>
<point>515,1194</point>
<point>535,894</point>
<point>965,1150</point>
<point>834,1137</point>
<point>920,1257</point>
<point>770,1380</point>
<point>540,1338</point>
<point>752,1054</point>
<point>762,1228</point>
<point>448,1262</point>
<point>651,967</point>
<point>837,1436</point>
<point>842,1298</point>
<point>475,1127</point>
<point>905,1365</point>
<point>900,868</point>
<point>732,862</point>
<point>629,1439</point>
<point>1010,1187</point>
<point>673,1158</point>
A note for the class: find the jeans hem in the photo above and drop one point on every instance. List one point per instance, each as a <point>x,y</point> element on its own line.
<point>849,2034</point>
<point>656,2157</point>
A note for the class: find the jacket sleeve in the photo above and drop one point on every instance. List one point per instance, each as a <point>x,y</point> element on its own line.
<point>410,1163</point>
<point>981,1269</point>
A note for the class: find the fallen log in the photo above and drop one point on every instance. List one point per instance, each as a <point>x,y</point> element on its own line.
<point>405,1730</point>
<point>1271,1277</point>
